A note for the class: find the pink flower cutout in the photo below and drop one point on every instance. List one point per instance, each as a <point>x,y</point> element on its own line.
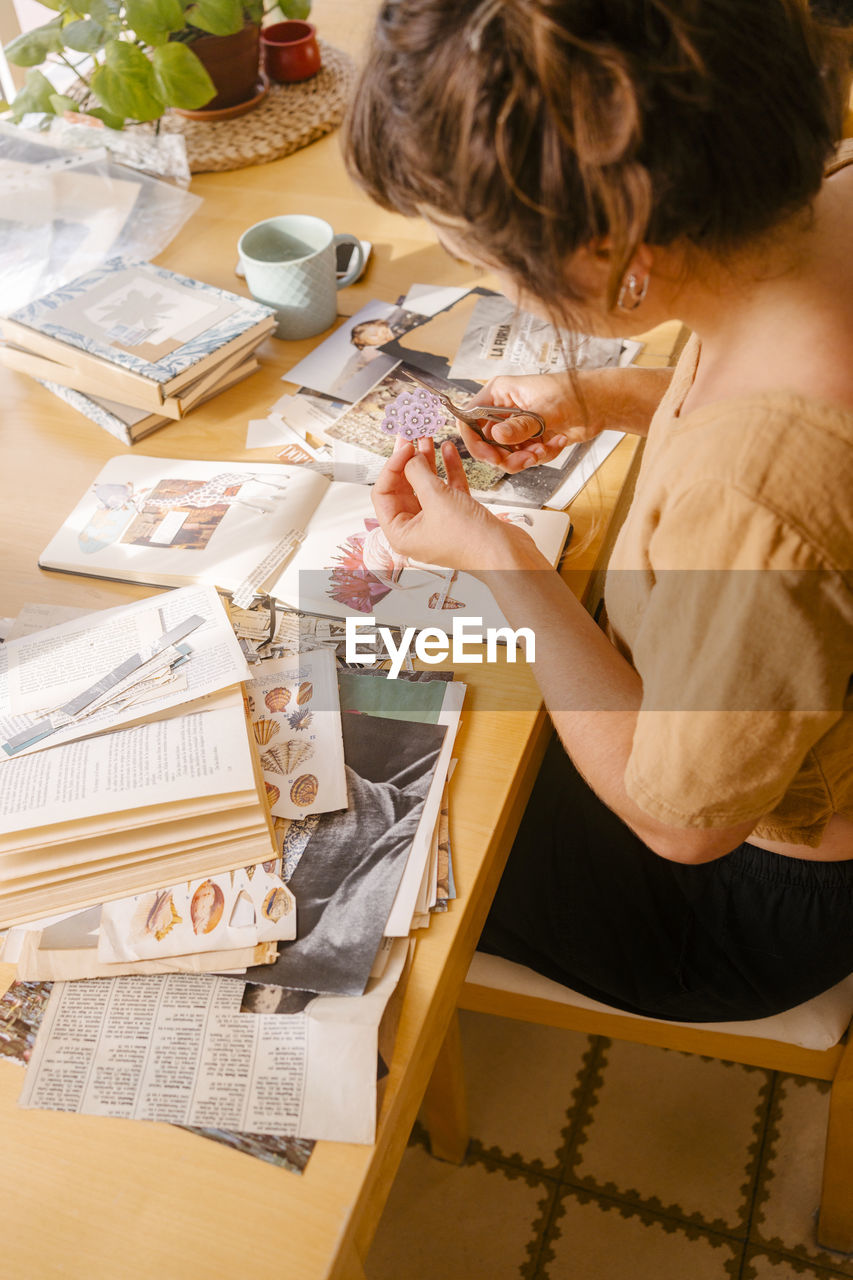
<point>413,414</point>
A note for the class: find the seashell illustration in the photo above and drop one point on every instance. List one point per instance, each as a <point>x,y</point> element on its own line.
<point>435,602</point>
<point>271,764</point>
<point>250,870</point>
<point>304,790</point>
<point>287,756</point>
<point>264,730</point>
<point>277,699</point>
<point>304,693</point>
<point>273,793</point>
<point>206,907</point>
<point>300,718</point>
<point>276,904</point>
<point>162,917</point>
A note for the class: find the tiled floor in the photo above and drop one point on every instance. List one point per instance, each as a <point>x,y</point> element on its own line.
<point>594,1159</point>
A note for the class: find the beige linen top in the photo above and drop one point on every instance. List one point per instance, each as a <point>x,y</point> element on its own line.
<point>730,590</point>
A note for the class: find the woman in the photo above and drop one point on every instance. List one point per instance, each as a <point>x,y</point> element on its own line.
<point>688,849</point>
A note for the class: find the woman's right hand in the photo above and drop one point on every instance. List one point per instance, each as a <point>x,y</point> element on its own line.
<point>553,396</point>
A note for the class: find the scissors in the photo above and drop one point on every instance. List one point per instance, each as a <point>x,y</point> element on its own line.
<point>483,415</point>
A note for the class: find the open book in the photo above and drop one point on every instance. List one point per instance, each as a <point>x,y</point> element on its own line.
<point>311,542</point>
<point>130,810</point>
<point>126,756</point>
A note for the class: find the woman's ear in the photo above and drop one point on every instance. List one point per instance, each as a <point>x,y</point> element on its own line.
<point>601,251</point>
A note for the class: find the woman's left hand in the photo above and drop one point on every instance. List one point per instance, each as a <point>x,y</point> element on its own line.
<point>427,519</point>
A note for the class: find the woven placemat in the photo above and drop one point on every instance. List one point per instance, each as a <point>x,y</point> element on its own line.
<point>291,116</point>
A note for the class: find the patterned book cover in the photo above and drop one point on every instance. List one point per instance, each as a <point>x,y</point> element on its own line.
<point>143,318</point>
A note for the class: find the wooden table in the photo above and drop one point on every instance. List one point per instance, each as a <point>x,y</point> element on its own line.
<point>87,1197</point>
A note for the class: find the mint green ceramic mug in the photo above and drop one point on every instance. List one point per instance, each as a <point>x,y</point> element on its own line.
<point>289,264</point>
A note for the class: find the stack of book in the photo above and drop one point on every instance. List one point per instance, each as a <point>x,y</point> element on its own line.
<point>134,346</point>
<point>115,779</point>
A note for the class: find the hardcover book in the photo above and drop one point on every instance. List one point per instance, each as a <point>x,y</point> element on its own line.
<point>134,332</point>
<point>128,424</point>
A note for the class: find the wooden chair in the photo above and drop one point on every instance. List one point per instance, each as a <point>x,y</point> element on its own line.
<point>814,1040</point>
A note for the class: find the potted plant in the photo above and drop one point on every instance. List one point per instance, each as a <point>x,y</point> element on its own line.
<point>144,56</point>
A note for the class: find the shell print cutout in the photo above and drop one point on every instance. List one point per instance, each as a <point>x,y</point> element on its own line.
<point>162,917</point>
<point>439,601</point>
<point>264,731</point>
<point>273,793</point>
<point>304,790</point>
<point>413,414</point>
<point>277,699</point>
<point>304,693</point>
<point>287,756</point>
<point>300,718</point>
<point>276,904</point>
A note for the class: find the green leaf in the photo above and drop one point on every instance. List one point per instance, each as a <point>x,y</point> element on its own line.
<point>59,104</point>
<point>104,10</point>
<point>125,84</point>
<point>111,121</point>
<point>219,17</point>
<point>182,81</point>
<point>154,20</point>
<point>85,35</point>
<point>31,49</point>
<point>35,96</point>
<point>294,8</point>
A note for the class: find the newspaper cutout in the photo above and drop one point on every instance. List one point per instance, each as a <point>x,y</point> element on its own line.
<point>180,1049</point>
<point>21,1012</point>
<point>500,339</point>
<point>109,658</point>
<point>351,360</point>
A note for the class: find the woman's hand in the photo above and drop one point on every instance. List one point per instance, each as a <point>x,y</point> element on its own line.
<point>575,408</point>
<point>440,523</point>
<point>553,396</point>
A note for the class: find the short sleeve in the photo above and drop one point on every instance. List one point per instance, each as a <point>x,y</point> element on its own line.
<point>744,652</point>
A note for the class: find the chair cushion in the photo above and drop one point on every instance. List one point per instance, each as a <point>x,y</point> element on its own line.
<point>818,1024</point>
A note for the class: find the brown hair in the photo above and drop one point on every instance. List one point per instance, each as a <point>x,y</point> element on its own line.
<point>535,127</point>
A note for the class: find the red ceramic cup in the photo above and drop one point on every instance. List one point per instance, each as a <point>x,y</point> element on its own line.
<point>289,51</point>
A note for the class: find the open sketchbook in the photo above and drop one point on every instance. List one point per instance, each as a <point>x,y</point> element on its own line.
<point>312,542</point>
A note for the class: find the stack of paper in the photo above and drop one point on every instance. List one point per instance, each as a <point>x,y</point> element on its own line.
<point>318,930</point>
<point>134,346</point>
<point>125,756</point>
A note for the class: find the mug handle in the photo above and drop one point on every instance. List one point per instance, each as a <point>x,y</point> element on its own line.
<point>355,267</point>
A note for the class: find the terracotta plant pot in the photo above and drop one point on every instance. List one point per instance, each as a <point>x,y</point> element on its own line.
<point>289,51</point>
<point>232,64</point>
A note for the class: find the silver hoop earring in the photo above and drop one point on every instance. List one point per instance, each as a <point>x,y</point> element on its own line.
<point>632,293</point>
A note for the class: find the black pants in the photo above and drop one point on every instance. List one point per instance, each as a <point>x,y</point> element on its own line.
<point>584,902</point>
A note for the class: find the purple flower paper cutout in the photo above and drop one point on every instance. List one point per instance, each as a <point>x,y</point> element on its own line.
<point>412,414</point>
